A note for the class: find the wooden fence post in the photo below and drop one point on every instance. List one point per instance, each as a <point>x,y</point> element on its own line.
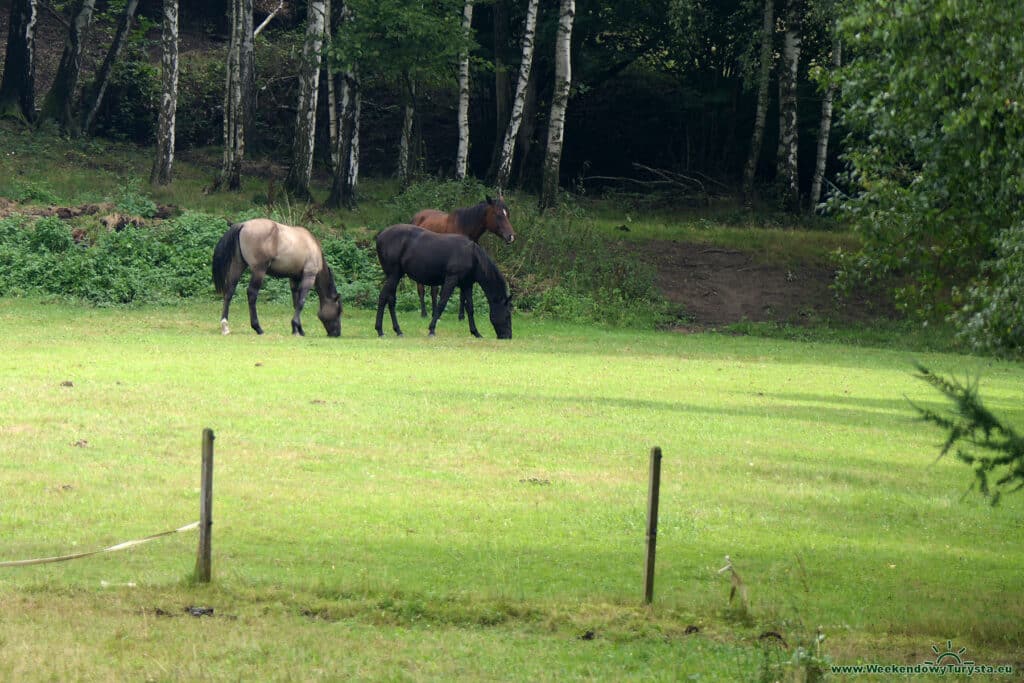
<point>205,510</point>
<point>652,524</point>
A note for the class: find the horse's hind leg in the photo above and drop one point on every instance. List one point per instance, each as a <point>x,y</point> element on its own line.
<point>255,282</point>
<point>423,303</point>
<point>387,298</point>
<point>231,282</point>
<point>300,290</point>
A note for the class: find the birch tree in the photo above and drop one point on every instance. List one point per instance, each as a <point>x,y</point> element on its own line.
<point>405,145</point>
<point>17,89</point>
<point>164,161</point>
<point>519,102</point>
<point>235,100</point>
<point>346,169</point>
<point>559,104</point>
<point>91,106</point>
<point>786,164</point>
<point>59,102</point>
<point>764,69</point>
<point>462,156</point>
<point>502,82</point>
<point>826,118</point>
<point>297,182</point>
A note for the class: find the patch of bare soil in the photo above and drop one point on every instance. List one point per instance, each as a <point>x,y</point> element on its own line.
<point>717,286</point>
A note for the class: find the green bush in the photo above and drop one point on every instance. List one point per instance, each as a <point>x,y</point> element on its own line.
<point>992,319</point>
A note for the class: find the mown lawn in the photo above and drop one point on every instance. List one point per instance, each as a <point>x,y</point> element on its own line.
<point>455,508</point>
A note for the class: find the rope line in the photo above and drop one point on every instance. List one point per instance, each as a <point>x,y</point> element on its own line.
<point>113,548</point>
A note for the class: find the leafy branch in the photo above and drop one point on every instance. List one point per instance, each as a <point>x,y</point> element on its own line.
<point>972,426</point>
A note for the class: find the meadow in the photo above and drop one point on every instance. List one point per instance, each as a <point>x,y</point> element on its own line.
<point>432,509</point>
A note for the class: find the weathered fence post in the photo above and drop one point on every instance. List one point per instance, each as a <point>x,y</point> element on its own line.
<point>652,524</point>
<point>205,510</point>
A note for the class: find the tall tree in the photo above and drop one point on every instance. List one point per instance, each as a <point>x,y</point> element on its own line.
<point>462,156</point>
<point>162,165</point>
<point>301,169</point>
<point>825,127</point>
<point>519,103</point>
<point>502,81</point>
<point>786,164</point>
<point>559,104</point>
<point>346,170</point>
<point>91,105</point>
<point>59,102</point>
<point>235,96</point>
<point>406,148</point>
<point>764,69</point>
<point>17,90</point>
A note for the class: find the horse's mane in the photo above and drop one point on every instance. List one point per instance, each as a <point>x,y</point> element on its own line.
<point>491,278</point>
<point>327,275</point>
<point>471,216</point>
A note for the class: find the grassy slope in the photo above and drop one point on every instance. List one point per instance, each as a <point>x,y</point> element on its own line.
<point>453,507</point>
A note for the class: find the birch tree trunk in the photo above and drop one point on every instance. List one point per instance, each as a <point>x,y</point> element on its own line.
<point>559,104</point>
<point>462,156</point>
<point>247,64</point>
<point>58,104</point>
<point>234,101</point>
<point>525,144</point>
<point>405,143</point>
<point>297,182</point>
<point>763,84</point>
<point>519,102</point>
<point>17,89</point>
<point>788,139</point>
<point>164,161</point>
<point>99,87</point>
<point>826,119</point>
<point>502,83</point>
<point>346,170</point>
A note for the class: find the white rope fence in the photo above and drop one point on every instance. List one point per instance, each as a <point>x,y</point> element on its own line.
<point>114,548</point>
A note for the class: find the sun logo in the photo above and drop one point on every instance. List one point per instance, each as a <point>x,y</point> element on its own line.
<point>949,657</point>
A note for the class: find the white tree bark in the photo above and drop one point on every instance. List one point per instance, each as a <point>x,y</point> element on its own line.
<point>519,102</point>
<point>559,104</point>
<point>17,89</point>
<point>234,108</point>
<point>164,161</point>
<point>405,142</point>
<point>763,83</point>
<point>103,76</point>
<point>826,120</point>
<point>788,137</point>
<point>462,156</point>
<point>301,170</point>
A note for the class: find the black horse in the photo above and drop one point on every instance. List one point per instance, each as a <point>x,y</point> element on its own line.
<point>445,260</point>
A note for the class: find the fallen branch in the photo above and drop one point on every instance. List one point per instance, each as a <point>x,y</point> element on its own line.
<point>266,21</point>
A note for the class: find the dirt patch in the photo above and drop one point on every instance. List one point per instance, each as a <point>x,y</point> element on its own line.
<point>716,286</point>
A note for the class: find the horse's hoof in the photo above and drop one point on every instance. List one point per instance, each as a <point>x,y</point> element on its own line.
<point>224,327</point>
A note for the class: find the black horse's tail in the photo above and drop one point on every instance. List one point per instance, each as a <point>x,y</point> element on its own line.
<point>223,255</point>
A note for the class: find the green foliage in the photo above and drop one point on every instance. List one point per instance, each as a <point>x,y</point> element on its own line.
<point>971,424</point>
<point>932,100</point>
<point>133,265</point>
<point>133,201</point>
<point>32,192</point>
<point>992,317</point>
<point>129,106</point>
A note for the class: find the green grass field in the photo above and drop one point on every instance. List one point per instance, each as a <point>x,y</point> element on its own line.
<point>428,509</point>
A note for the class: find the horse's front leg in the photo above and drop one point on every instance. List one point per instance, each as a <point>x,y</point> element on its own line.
<point>466,300</point>
<point>446,293</point>
<point>255,282</point>
<point>300,290</point>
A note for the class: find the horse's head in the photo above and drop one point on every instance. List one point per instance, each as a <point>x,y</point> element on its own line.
<point>330,306</point>
<point>501,316</point>
<point>497,219</point>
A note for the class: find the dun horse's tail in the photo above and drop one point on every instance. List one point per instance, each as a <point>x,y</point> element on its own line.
<point>223,254</point>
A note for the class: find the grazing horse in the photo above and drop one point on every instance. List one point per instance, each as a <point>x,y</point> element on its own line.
<point>270,248</point>
<point>441,260</point>
<point>487,216</point>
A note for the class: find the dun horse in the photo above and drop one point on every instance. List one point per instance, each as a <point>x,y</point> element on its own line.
<point>447,261</point>
<point>473,221</point>
<point>270,248</point>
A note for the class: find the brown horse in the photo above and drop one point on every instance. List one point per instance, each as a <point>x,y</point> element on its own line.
<point>473,221</point>
<point>270,248</point>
